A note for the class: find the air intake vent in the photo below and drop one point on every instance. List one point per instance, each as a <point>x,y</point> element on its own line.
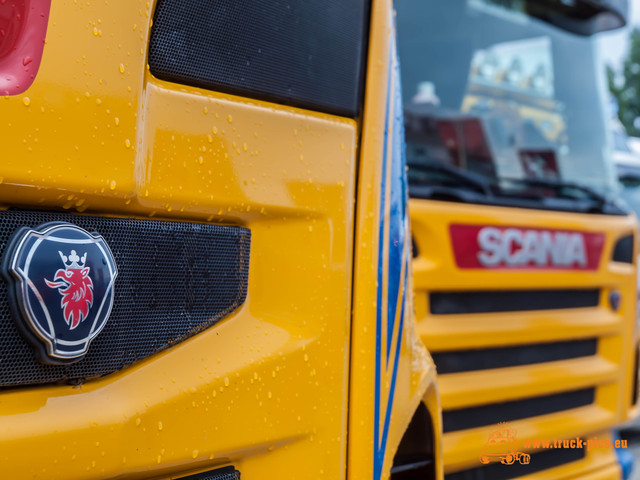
<point>471,417</point>
<point>447,303</point>
<point>175,279</point>
<point>303,53</point>
<point>501,357</point>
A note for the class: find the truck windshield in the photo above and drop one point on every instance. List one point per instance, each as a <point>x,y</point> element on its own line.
<point>502,108</point>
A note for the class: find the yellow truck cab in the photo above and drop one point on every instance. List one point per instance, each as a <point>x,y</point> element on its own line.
<point>524,263</point>
<point>205,245</point>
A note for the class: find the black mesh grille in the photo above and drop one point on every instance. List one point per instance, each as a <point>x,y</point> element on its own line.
<point>174,280</point>
<point>297,52</point>
<point>447,303</point>
<point>471,417</point>
<point>539,462</point>
<point>500,357</point>
<point>227,473</point>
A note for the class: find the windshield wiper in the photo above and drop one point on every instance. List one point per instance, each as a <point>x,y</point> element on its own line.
<point>560,189</point>
<point>444,182</point>
<point>452,173</point>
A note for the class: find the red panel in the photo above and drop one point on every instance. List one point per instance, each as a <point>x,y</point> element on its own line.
<point>23,28</point>
<point>503,247</point>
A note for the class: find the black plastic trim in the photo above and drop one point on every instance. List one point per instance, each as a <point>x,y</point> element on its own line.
<point>491,301</point>
<point>500,357</point>
<point>623,250</point>
<point>226,473</point>
<point>471,417</point>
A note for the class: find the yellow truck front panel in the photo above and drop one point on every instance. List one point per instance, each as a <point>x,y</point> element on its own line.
<point>97,133</point>
<point>390,381</point>
<point>475,351</point>
<point>268,389</point>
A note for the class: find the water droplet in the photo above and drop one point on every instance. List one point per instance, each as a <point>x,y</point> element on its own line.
<point>26,101</point>
<point>95,31</point>
<point>117,120</point>
<point>138,422</point>
<point>229,118</point>
<point>159,425</point>
<point>127,143</point>
<point>205,110</point>
<point>214,130</point>
<point>112,185</point>
<point>121,68</point>
<point>226,381</point>
<point>26,61</point>
<point>194,454</point>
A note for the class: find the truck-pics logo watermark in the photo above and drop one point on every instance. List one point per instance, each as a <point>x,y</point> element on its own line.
<point>502,446</point>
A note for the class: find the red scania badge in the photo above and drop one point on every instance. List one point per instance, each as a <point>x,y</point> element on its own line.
<point>506,247</point>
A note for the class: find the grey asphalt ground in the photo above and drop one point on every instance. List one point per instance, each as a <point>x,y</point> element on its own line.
<point>635,475</point>
<point>632,433</point>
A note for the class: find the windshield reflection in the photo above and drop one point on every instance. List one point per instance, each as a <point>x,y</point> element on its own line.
<point>503,98</point>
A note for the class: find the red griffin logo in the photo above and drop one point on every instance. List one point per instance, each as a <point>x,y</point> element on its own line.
<point>76,288</point>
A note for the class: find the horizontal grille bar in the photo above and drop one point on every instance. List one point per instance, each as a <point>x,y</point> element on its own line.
<point>175,279</point>
<point>471,417</point>
<point>512,356</point>
<point>539,461</point>
<point>490,301</point>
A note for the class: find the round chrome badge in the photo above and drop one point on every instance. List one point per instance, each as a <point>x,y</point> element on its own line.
<point>61,288</point>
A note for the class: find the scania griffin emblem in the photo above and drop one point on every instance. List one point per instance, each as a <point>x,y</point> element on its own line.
<point>61,281</point>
